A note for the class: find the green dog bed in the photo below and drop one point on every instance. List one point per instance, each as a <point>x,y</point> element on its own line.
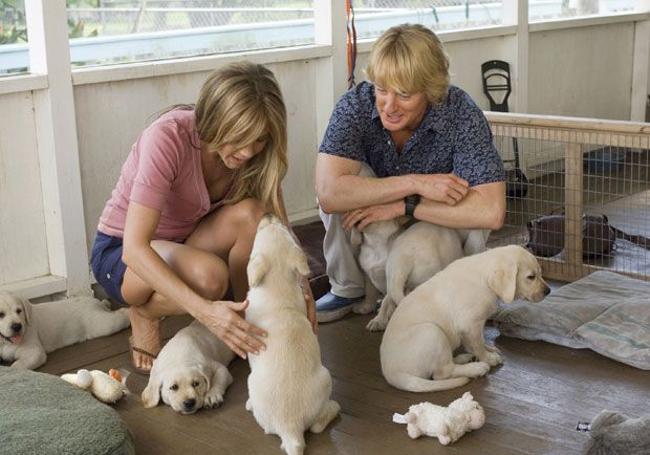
<point>42,414</point>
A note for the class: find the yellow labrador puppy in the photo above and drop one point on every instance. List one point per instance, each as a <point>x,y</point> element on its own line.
<point>395,262</point>
<point>450,310</point>
<point>289,388</point>
<point>28,332</point>
<point>190,371</point>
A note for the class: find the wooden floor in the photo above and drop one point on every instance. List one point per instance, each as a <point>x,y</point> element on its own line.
<point>532,402</point>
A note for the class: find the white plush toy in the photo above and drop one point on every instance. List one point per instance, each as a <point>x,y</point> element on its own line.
<point>105,387</point>
<point>447,424</point>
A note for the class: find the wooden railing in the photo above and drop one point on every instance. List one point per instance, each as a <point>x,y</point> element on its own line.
<point>576,137</point>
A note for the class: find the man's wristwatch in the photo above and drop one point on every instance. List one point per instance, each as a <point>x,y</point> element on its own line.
<point>410,202</point>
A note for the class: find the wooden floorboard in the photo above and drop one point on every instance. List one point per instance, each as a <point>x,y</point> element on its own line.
<point>532,402</point>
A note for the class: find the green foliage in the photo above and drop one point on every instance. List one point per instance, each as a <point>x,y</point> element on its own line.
<point>12,23</point>
<point>13,29</point>
<point>76,29</point>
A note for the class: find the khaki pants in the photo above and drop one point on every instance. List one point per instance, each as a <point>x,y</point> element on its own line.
<point>346,277</point>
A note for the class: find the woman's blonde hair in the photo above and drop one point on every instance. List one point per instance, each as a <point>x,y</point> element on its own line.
<point>410,58</point>
<point>240,104</point>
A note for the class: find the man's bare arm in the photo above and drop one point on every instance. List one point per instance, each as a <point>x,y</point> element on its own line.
<point>484,207</point>
<point>340,189</point>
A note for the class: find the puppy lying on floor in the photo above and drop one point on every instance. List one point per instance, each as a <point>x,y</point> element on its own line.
<point>450,309</point>
<point>190,371</point>
<point>289,388</point>
<point>28,332</point>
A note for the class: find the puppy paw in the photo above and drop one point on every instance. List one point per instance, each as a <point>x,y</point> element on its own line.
<point>365,307</point>
<point>491,348</point>
<point>213,400</point>
<point>493,359</point>
<point>478,369</point>
<point>376,324</point>
<point>249,405</point>
<point>462,359</point>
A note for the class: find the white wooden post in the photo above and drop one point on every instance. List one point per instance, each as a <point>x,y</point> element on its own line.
<point>57,144</point>
<point>331,81</point>
<point>515,12</point>
<point>640,69</point>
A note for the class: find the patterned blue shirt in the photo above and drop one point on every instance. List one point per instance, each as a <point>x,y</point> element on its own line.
<point>453,137</point>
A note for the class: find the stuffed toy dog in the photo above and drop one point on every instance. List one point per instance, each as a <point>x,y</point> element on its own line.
<point>447,424</point>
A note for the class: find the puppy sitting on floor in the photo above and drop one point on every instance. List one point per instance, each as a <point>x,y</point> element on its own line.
<point>396,261</point>
<point>289,388</point>
<point>190,371</point>
<point>409,259</point>
<point>28,332</point>
<point>450,310</point>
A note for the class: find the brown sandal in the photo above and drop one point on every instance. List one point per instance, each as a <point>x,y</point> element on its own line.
<point>143,352</point>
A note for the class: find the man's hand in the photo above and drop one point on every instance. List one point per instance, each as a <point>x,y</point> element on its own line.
<point>311,304</point>
<point>446,188</point>
<point>360,218</point>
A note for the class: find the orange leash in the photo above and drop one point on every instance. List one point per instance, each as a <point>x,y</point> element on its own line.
<point>351,42</point>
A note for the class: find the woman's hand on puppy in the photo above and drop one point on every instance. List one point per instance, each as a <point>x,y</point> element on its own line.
<point>222,319</point>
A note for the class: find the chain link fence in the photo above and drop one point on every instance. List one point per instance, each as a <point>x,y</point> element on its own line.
<point>114,17</point>
<point>181,28</point>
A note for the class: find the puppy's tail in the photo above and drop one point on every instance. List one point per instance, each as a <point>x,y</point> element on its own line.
<point>396,281</point>
<point>412,383</point>
<point>293,442</point>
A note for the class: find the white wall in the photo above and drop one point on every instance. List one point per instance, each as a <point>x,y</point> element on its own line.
<point>23,248</point>
<point>582,72</point>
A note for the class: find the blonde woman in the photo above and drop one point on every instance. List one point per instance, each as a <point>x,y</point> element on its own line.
<point>428,144</point>
<point>178,229</point>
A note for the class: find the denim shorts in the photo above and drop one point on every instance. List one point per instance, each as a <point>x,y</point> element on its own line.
<point>107,265</point>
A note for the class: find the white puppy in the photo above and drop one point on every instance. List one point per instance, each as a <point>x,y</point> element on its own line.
<point>415,256</point>
<point>289,388</point>
<point>396,262</point>
<point>28,332</point>
<point>190,371</point>
<point>450,309</point>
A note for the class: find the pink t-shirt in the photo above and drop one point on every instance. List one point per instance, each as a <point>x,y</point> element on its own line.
<point>162,172</point>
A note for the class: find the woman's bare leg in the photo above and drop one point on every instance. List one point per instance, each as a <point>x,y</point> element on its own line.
<point>204,272</point>
<point>229,233</point>
<point>223,237</point>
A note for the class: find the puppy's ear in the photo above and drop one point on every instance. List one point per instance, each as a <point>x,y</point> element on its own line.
<point>258,266</point>
<point>299,261</point>
<point>503,281</point>
<point>206,373</point>
<point>356,237</point>
<point>27,308</point>
<point>151,394</point>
